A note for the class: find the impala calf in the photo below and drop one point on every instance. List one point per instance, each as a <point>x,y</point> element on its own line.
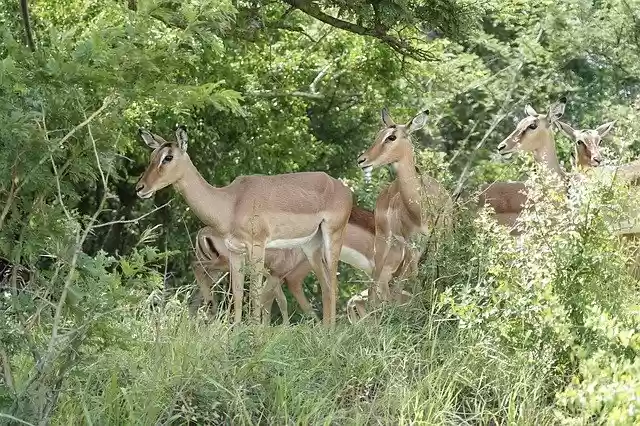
<point>308,210</point>
<point>288,265</point>
<point>410,205</point>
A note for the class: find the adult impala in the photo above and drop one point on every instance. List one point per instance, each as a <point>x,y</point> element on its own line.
<point>532,134</point>
<point>290,265</point>
<point>308,210</point>
<point>411,204</point>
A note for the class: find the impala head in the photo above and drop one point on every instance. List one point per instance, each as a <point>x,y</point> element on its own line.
<point>587,142</point>
<point>392,143</point>
<point>534,131</point>
<point>166,164</point>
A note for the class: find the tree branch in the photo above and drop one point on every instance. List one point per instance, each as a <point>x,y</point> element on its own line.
<point>24,9</point>
<point>277,94</point>
<point>380,32</point>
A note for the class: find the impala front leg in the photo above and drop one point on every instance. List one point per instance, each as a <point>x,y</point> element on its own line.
<point>256,286</point>
<point>236,265</point>
<point>207,280</point>
<point>382,271</point>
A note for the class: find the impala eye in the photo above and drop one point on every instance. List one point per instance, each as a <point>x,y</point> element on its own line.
<point>581,142</point>
<point>167,159</point>
<point>391,138</point>
<point>533,125</point>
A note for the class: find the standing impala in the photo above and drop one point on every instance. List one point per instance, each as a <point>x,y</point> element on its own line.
<point>309,210</point>
<point>411,204</point>
<point>586,143</point>
<point>290,265</point>
<point>587,157</point>
<point>532,134</point>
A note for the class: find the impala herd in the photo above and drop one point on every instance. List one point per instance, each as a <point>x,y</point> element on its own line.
<point>300,222</point>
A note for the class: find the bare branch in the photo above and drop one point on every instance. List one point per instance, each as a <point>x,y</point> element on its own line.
<point>138,219</point>
<point>277,94</point>
<point>320,76</point>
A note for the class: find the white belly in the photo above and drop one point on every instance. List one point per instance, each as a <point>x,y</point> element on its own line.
<point>356,259</point>
<point>291,242</point>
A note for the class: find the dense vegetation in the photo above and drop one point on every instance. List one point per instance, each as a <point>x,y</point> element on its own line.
<point>94,323</point>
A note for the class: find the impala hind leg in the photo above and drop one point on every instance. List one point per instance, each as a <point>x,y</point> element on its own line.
<point>295,287</point>
<point>314,252</point>
<point>332,239</point>
<point>281,300</point>
<point>268,296</point>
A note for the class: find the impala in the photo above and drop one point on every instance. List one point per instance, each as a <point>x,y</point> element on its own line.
<point>532,134</point>
<point>289,265</point>
<point>308,210</point>
<point>410,205</point>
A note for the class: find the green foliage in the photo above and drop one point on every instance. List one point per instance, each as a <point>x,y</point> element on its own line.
<point>98,333</point>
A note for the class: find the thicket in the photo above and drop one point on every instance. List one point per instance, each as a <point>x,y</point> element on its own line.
<point>94,323</point>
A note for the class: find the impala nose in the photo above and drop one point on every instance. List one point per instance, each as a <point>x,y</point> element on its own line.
<point>139,186</point>
<point>597,160</point>
<point>502,146</point>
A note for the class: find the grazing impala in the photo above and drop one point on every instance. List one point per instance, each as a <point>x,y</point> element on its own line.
<point>411,204</point>
<point>308,210</point>
<point>289,265</point>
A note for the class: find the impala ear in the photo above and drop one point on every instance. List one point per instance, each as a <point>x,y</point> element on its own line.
<point>152,141</point>
<point>181,136</point>
<point>566,129</point>
<point>418,121</point>
<point>528,109</point>
<point>557,109</point>
<point>604,129</point>
<point>386,118</point>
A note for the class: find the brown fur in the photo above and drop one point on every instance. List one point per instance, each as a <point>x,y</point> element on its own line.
<point>251,212</point>
<point>362,218</point>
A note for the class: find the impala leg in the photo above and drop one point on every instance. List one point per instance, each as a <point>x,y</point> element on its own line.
<point>394,253</point>
<point>206,279</point>
<point>256,260</point>
<point>267,297</point>
<point>236,264</point>
<point>313,251</point>
<point>295,287</point>
<point>332,246</point>
<point>281,299</point>
<point>408,268</point>
<point>380,252</point>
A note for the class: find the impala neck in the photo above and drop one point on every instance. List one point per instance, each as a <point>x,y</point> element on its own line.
<point>548,157</point>
<point>410,184</point>
<point>212,205</point>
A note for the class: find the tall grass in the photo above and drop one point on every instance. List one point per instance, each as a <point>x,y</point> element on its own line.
<point>177,370</point>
